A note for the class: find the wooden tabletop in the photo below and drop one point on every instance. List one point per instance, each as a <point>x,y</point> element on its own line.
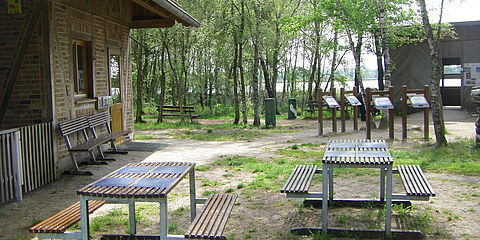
<point>357,152</point>
<point>139,180</point>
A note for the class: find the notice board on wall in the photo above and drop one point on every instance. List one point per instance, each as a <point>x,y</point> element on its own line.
<point>14,6</point>
<point>471,74</point>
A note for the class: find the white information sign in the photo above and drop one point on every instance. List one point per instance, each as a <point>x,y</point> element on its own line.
<point>353,100</point>
<point>331,102</point>
<point>471,74</point>
<point>383,103</point>
<point>419,101</point>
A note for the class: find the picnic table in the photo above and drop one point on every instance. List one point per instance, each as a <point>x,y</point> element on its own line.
<point>358,154</point>
<point>141,182</point>
<point>138,182</point>
<point>152,182</point>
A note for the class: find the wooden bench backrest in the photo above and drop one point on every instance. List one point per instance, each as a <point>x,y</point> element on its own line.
<point>72,126</point>
<point>98,119</point>
<point>169,106</point>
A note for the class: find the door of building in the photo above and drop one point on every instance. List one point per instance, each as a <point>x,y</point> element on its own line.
<point>450,85</point>
<point>116,110</point>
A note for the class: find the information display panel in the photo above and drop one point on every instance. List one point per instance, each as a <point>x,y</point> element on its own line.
<point>353,100</point>
<point>383,103</point>
<point>331,102</point>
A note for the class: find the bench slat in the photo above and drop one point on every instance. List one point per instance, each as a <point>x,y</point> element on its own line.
<point>170,106</point>
<point>414,181</point>
<point>90,145</point>
<point>72,126</point>
<point>213,218</point>
<point>64,219</point>
<point>300,179</point>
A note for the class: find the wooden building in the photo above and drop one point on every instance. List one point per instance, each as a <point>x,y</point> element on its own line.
<point>413,67</point>
<point>60,59</point>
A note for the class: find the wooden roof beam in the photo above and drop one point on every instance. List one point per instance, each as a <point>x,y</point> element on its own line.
<point>169,10</point>
<point>153,23</point>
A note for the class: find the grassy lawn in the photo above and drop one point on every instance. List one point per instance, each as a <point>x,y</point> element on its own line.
<point>209,132</point>
<point>460,157</point>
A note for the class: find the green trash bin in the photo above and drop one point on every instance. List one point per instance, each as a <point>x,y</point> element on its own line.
<point>270,112</point>
<point>292,108</point>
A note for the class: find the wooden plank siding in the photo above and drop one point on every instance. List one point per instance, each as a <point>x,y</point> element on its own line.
<point>412,65</point>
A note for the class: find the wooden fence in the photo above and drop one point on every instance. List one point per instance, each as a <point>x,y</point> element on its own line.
<point>27,160</point>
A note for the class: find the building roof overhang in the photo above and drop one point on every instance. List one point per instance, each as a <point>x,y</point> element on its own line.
<point>160,14</point>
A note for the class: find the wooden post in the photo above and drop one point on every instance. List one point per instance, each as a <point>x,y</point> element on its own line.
<point>391,115</point>
<point>334,112</point>
<point>404,113</point>
<point>426,114</point>
<point>342,109</point>
<point>368,97</point>
<point>355,110</point>
<point>320,111</point>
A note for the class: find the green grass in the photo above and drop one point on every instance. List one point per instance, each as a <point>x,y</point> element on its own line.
<point>270,174</point>
<point>211,135</point>
<point>202,168</point>
<point>297,153</point>
<point>144,137</point>
<point>460,157</point>
<point>115,217</point>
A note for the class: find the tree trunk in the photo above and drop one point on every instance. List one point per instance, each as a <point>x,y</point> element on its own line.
<point>142,72</point>
<point>162,81</point>
<point>435,96</point>
<point>383,50</point>
<point>255,68</point>
<point>235,80</point>
<point>294,75</point>
<point>312,73</point>
<point>266,78</point>
<point>378,53</point>
<point>331,79</point>
<point>243,91</point>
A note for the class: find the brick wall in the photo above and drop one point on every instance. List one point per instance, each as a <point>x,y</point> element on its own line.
<point>72,22</point>
<point>30,102</point>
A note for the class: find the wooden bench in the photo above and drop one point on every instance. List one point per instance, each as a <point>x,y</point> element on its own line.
<point>415,183</point>
<point>212,220</point>
<point>300,179</point>
<point>55,226</point>
<point>80,125</point>
<point>175,111</point>
<point>103,118</point>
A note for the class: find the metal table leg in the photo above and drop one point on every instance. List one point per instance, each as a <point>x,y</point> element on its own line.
<point>330,183</point>
<point>163,218</point>
<point>388,214</point>
<point>84,223</point>
<point>382,184</point>
<point>132,221</point>
<point>193,204</point>
<point>325,177</point>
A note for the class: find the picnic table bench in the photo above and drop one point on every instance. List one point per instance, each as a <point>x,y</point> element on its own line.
<point>177,111</point>
<point>55,227</point>
<point>213,219</point>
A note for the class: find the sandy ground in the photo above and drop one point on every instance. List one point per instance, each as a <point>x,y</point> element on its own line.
<point>270,221</point>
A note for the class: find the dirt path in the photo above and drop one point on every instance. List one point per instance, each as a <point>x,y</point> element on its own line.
<point>255,216</point>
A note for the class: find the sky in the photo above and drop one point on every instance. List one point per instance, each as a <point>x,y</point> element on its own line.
<point>454,11</point>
